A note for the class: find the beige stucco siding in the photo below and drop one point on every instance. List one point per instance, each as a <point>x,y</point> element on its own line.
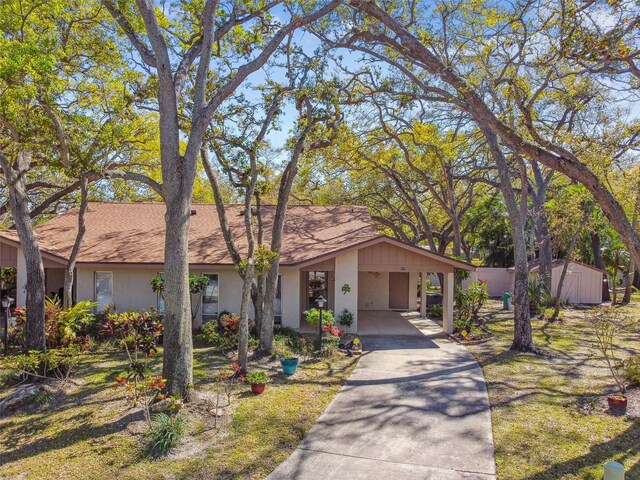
<point>373,290</point>
<point>346,273</point>
<point>131,290</point>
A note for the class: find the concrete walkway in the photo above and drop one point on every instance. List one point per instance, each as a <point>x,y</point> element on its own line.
<point>416,407</point>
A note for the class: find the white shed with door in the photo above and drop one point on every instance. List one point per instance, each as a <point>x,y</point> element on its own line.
<point>582,283</point>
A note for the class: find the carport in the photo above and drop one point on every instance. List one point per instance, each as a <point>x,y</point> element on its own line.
<point>389,275</point>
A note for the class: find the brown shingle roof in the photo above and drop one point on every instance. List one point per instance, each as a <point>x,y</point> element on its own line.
<point>134,232</point>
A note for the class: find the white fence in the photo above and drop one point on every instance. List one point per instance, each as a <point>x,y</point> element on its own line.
<point>498,280</point>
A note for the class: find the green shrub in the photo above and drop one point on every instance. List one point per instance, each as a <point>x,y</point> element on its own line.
<point>462,324</point>
<point>345,318</point>
<point>539,294</point>
<point>257,377</point>
<point>209,334</point>
<point>632,369</point>
<point>62,326</point>
<point>313,316</point>
<point>329,345</point>
<point>165,433</point>
<point>436,310</point>
<point>57,363</point>
<point>230,324</point>
<point>282,346</point>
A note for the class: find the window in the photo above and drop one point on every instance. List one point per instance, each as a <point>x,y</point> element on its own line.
<point>210,298</point>
<point>277,306</point>
<point>316,286</point>
<point>103,289</point>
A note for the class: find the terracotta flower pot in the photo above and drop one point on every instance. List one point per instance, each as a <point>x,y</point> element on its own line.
<point>257,388</point>
<point>617,402</point>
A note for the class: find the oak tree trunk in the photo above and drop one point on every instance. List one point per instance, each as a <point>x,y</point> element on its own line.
<point>522,335</point>
<point>177,366</point>
<point>19,203</point>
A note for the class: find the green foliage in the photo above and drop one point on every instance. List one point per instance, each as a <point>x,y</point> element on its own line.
<point>165,433</point>
<point>632,369</point>
<point>469,301</point>
<point>63,327</point>
<point>539,295</point>
<point>59,363</point>
<point>262,259</point>
<point>209,334</point>
<point>435,310</point>
<point>157,283</point>
<point>136,332</point>
<point>313,316</point>
<point>289,343</point>
<point>197,283</point>
<point>258,377</point>
<point>490,231</point>
<point>463,324</point>
<point>329,345</point>
<point>230,324</point>
<point>72,320</point>
<point>346,318</point>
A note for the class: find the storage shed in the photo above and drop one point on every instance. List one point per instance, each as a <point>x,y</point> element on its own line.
<point>582,284</point>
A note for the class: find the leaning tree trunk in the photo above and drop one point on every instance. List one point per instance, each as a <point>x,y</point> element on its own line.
<point>243,332</point>
<point>545,251</point>
<point>271,284</point>
<point>522,335</point>
<point>19,203</point>
<point>598,262</point>
<point>71,264</point>
<point>565,267</point>
<point>632,262</point>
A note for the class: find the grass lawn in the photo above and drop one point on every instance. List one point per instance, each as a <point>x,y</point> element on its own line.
<point>549,418</point>
<point>88,431</point>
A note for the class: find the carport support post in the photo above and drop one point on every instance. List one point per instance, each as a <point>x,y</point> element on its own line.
<point>423,294</point>
<point>447,313</point>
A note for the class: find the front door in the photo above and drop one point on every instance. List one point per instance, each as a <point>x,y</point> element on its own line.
<point>398,290</point>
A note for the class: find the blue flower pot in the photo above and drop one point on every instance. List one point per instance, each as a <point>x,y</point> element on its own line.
<point>289,365</point>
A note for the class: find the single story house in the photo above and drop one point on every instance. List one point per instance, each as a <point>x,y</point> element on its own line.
<point>582,284</point>
<point>334,251</point>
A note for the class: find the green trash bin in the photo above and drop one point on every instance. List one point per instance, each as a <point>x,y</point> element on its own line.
<point>506,301</point>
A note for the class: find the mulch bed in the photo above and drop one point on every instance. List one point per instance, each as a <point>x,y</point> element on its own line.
<point>590,404</point>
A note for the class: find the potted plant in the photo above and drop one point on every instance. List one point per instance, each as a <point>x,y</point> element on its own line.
<point>606,324</point>
<point>346,318</point>
<point>289,364</point>
<point>258,380</point>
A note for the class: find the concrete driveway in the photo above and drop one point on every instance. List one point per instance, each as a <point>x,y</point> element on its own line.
<point>415,407</point>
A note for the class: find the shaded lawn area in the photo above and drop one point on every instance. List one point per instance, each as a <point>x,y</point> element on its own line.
<point>549,418</point>
<point>86,433</point>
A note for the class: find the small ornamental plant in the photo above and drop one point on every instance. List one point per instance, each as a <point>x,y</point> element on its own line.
<point>229,378</point>
<point>142,392</point>
<point>331,329</point>
<point>257,378</point>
